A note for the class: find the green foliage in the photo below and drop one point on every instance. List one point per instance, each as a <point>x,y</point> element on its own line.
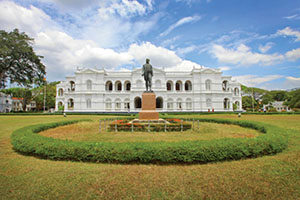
<point>19,63</point>
<point>38,94</point>
<point>294,101</point>
<point>27,141</point>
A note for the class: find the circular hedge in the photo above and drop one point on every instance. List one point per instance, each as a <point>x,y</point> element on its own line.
<point>28,142</point>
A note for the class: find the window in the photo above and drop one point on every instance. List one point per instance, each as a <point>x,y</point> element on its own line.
<point>108,86</point>
<point>208,85</point>
<point>60,92</point>
<point>189,104</point>
<point>72,85</point>
<point>126,104</point>
<point>208,103</point>
<point>127,86</point>
<point>137,102</point>
<point>88,84</point>
<point>179,104</point>
<point>108,104</point>
<point>169,85</point>
<point>226,104</point>
<point>236,91</point>
<point>225,86</point>
<point>117,104</point>
<point>170,104</point>
<point>159,102</point>
<point>188,86</point>
<point>118,86</point>
<point>70,104</point>
<point>178,86</point>
<point>88,103</point>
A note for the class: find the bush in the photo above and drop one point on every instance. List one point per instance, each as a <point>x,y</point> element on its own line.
<point>27,141</point>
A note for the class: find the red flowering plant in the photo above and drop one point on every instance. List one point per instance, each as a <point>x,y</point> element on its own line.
<point>173,125</point>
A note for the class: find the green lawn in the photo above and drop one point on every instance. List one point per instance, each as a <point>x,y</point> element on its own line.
<point>269,177</point>
<point>89,131</point>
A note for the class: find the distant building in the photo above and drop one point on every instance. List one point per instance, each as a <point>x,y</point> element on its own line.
<point>198,90</point>
<point>5,103</point>
<point>17,104</point>
<point>278,105</point>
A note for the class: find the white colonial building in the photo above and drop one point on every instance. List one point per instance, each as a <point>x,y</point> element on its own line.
<point>198,90</point>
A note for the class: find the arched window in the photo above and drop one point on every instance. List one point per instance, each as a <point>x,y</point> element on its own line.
<point>225,86</point>
<point>127,104</point>
<point>127,86</point>
<point>60,106</point>
<point>179,104</point>
<point>178,86</point>
<point>88,84</point>
<point>236,105</point>
<point>60,92</point>
<point>169,86</point>
<point>70,104</point>
<point>208,103</point>
<point>118,86</point>
<point>118,104</point>
<point>108,104</point>
<point>159,102</point>
<point>208,84</point>
<point>72,86</point>
<point>189,104</point>
<point>170,104</point>
<point>226,104</point>
<point>137,102</point>
<point>108,86</point>
<point>188,86</point>
<point>236,91</point>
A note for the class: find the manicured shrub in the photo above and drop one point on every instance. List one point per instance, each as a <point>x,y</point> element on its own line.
<point>27,141</point>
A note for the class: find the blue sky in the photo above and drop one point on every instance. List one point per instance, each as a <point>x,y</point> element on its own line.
<point>255,41</point>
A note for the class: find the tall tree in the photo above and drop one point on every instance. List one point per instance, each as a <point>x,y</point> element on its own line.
<point>18,61</point>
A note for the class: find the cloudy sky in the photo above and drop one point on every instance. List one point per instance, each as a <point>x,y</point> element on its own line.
<point>255,41</point>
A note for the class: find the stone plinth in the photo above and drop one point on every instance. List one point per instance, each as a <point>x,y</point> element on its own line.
<point>148,107</point>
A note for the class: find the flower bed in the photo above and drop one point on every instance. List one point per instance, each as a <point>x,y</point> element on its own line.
<point>172,125</point>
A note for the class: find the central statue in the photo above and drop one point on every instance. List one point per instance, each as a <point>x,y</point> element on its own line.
<point>147,72</point>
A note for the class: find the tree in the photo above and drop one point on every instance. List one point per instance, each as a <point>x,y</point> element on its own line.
<point>294,101</point>
<point>38,95</point>
<point>18,62</point>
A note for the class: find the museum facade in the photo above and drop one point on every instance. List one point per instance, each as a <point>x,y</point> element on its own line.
<point>198,90</point>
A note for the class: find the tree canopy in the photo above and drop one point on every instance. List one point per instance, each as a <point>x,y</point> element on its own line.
<point>18,61</point>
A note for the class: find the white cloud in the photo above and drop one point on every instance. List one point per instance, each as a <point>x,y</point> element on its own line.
<point>291,82</point>
<point>30,20</point>
<point>243,56</point>
<point>185,50</point>
<point>256,81</point>
<point>293,55</point>
<point>292,17</point>
<point>289,32</point>
<point>124,8</point>
<point>266,48</point>
<point>181,22</point>
<point>158,56</point>
<point>225,68</point>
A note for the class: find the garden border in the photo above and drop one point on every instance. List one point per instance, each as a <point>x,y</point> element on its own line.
<point>26,141</point>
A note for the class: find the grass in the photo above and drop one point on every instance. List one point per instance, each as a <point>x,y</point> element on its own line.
<point>269,177</point>
<point>89,131</point>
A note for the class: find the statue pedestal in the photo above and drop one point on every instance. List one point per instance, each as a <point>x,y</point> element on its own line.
<point>148,107</point>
